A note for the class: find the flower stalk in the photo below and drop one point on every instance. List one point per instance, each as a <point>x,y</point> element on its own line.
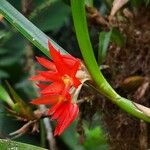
<point>81,29</point>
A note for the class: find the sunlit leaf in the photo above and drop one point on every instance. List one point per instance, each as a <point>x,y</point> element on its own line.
<point>13,145</point>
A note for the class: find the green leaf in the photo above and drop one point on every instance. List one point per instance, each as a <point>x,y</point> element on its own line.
<point>8,60</point>
<point>9,144</point>
<point>104,39</point>
<point>117,37</point>
<point>136,3</point>
<point>20,106</point>
<point>73,138</point>
<point>95,138</point>
<point>2,34</point>
<point>81,28</point>
<point>3,51</point>
<point>47,19</point>
<point>31,32</point>
<point>15,96</point>
<point>3,74</point>
<point>4,96</point>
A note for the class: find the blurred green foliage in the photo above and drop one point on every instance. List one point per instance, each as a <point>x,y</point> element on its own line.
<point>95,139</point>
<point>8,144</point>
<point>54,18</point>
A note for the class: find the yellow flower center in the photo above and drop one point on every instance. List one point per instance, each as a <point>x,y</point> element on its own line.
<point>66,79</point>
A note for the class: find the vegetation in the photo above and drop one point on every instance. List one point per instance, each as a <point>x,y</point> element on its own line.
<point>112,40</point>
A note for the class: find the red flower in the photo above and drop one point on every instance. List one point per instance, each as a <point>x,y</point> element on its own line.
<point>60,87</point>
<point>62,72</point>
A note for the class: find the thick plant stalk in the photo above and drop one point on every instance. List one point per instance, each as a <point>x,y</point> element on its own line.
<point>81,29</point>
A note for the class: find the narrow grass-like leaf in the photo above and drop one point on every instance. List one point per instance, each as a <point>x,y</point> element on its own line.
<point>8,144</point>
<point>20,106</point>
<point>104,39</point>
<point>23,25</point>
<point>4,96</point>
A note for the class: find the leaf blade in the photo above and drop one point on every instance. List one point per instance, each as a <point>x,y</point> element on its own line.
<point>30,31</point>
<point>8,144</point>
<point>104,39</point>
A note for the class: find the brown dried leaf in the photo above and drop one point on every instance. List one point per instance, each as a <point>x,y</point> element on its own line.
<point>143,109</point>
<point>117,4</point>
<point>132,83</point>
<point>141,91</point>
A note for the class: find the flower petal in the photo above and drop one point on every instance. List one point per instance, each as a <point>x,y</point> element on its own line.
<point>67,118</point>
<point>46,63</point>
<point>61,121</point>
<point>54,108</point>
<point>49,99</point>
<point>59,111</point>
<point>74,113</point>
<point>69,60</point>
<point>41,86</point>
<point>75,68</point>
<point>50,75</point>
<point>53,88</point>
<point>38,78</point>
<point>76,82</point>
<point>58,60</point>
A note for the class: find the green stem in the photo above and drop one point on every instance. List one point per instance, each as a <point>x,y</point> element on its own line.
<point>80,24</point>
<point>24,26</point>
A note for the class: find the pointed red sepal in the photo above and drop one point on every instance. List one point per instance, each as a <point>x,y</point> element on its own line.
<point>38,78</point>
<point>69,60</point>
<point>59,111</point>
<point>53,88</point>
<point>55,54</point>
<point>69,114</point>
<point>54,108</point>
<point>49,99</point>
<point>52,76</point>
<point>41,86</point>
<point>58,59</point>
<point>76,82</point>
<point>75,68</point>
<point>46,63</point>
